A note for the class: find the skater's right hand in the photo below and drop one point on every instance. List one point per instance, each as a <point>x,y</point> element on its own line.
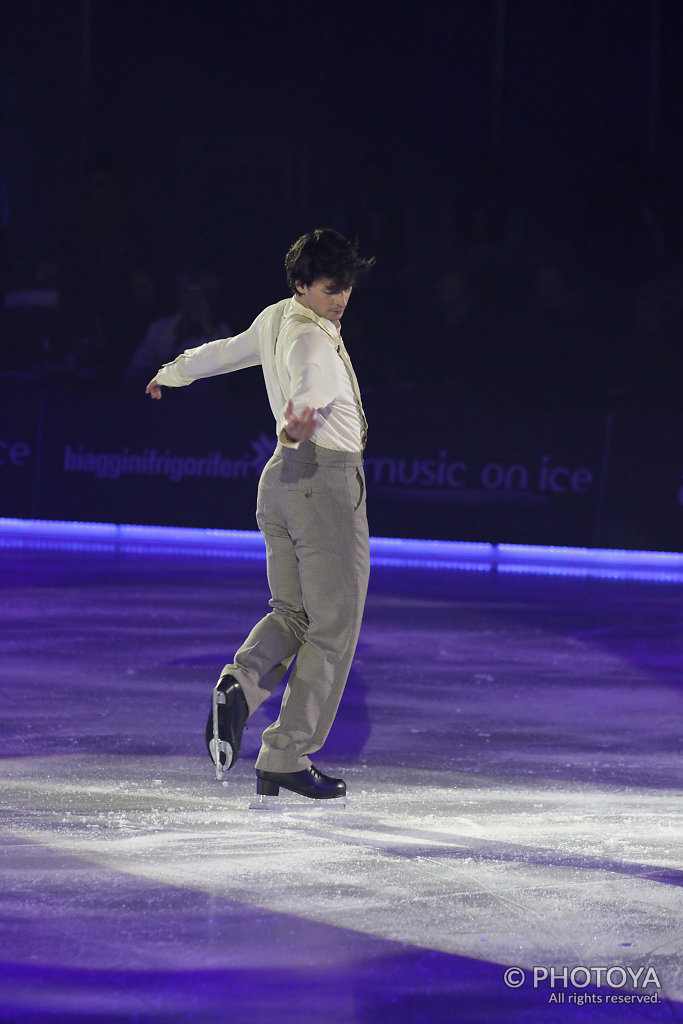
<point>153,389</point>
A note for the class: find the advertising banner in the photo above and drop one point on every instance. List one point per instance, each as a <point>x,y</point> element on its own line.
<point>496,475</point>
<point>191,459</point>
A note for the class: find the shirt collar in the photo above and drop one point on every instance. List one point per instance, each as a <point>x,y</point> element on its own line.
<point>298,310</point>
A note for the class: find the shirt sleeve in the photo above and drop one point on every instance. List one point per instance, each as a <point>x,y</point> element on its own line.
<point>215,357</point>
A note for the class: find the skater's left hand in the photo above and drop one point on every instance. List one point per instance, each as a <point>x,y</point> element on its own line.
<point>153,389</point>
<point>300,428</point>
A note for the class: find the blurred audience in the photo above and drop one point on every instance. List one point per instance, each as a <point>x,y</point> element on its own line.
<point>104,244</point>
<point>555,358</point>
<point>197,319</point>
<point>30,312</point>
<point>587,315</point>
<point>460,328</point>
<point>651,367</point>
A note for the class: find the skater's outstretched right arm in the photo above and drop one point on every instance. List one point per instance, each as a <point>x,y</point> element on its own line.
<point>215,357</point>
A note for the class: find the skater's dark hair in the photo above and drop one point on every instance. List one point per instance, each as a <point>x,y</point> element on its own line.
<point>325,253</point>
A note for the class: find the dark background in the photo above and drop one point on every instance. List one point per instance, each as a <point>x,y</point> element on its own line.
<point>515,166</point>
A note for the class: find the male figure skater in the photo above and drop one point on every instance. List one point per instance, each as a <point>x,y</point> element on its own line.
<point>311,512</point>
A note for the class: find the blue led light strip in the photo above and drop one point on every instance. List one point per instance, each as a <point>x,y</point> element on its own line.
<point>659,566</point>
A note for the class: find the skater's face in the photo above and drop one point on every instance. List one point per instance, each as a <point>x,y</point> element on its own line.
<point>323,298</point>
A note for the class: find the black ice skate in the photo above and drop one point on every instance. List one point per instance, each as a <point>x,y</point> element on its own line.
<point>229,713</point>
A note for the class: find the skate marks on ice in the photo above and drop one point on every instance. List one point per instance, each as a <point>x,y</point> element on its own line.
<point>289,804</point>
<point>483,867</point>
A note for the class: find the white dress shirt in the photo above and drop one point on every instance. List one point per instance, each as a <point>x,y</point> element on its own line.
<point>303,359</point>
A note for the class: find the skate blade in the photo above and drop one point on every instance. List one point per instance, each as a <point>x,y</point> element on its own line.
<point>223,748</point>
<point>276,803</point>
<point>217,744</point>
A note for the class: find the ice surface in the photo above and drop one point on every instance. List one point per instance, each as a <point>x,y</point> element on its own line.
<point>511,749</point>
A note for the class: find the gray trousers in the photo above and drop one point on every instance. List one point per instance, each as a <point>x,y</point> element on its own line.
<point>311,512</point>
